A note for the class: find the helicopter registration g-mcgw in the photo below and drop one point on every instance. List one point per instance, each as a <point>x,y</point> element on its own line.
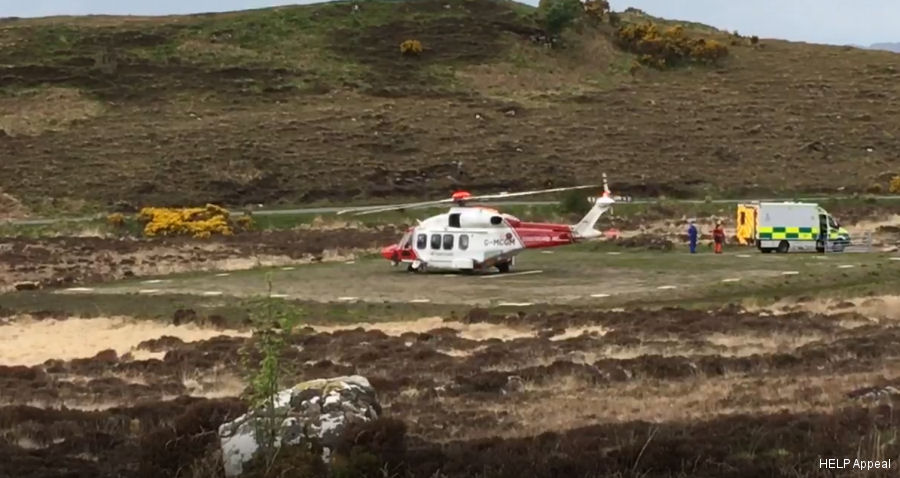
<point>476,238</point>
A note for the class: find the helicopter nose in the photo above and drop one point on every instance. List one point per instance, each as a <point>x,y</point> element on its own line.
<point>389,252</point>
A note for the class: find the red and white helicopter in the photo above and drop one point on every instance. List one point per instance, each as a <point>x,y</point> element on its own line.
<point>476,238</point>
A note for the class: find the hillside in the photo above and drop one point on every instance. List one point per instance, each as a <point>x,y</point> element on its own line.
<point>316,104</point>
<point>894,47</point>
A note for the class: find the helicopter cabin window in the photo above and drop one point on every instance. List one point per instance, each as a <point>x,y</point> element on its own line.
<point>448,242</point>
<point>435,241</point>
<point>496,220</point>
<point>422,241</point>
<point>463,241</point>
<point>454,220</point>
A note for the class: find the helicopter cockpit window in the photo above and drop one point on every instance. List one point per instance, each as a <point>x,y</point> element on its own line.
<point>496,220</point>
<point>463,241</point>
<point>422,241</point>
<point>448,242</point>
<point>435,241</point>
<point>454,220</point>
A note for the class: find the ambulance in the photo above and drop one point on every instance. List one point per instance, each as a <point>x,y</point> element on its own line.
<point>790,227</point>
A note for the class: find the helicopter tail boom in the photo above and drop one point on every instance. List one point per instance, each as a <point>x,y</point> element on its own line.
<point>585,228</point>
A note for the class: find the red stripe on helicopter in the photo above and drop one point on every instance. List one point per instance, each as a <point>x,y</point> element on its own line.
<point>538,234</point>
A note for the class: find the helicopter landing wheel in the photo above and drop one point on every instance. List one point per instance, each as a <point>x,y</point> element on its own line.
<point>503,267</point>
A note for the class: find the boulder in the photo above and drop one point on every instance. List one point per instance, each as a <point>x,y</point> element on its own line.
<point>315,411</point>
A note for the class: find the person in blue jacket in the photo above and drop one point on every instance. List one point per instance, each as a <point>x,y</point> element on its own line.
<point>692,237</point>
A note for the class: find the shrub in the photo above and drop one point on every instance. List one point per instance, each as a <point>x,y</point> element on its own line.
<point>895,185</point>
<point>875,188</point>
<point>596,9</point>
<point>667,48</point>
<point>197,222</point>
<point>575,202</point>
<point>244,223</point>
<point>754,40</point>
<point>557,15</point>
<point>116,219</point>
<point>614,19</point>
<point>708,51</point>
<point>411,47</point>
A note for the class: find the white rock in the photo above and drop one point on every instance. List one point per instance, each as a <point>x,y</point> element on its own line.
<point>345,400</point>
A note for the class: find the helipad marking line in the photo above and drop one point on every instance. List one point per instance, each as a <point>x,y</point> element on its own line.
<point>790,273</point>
<point>514,304</point>
<point>511,275</point>
<point>546,252</point>
<point>419,301</point>
<point>80,289</point>
<point>279,296</point>
<point>224,274</point>
<point>212,292</point>
<point>895,258</point>
<point>665,287</point>
<point>744,255</point>
<point>346,299</point>
<point>152,281</point>
<point>287,268</point>
<point>733,279</point>
<point>350,262</point>
<point>148,291</point>
<point>614,253</point>
<point>846,266</point>
<point>599,296</point>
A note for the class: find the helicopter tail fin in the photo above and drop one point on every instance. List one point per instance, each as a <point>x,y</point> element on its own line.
<point>585,228</point>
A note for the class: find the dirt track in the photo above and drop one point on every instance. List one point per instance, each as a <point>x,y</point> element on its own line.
<point>717,393</point>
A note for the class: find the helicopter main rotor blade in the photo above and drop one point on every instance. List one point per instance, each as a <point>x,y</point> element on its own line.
<point>393,207</point>
<point>526,193</point>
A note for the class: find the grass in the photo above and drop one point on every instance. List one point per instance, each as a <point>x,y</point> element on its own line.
<point>369,290</point>
<point>236,312</point>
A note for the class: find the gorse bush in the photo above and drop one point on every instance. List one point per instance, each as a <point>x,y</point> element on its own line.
<point>895,185</point>
<point>669,47</point>
<point>199,222</point>
<point>411,47</point>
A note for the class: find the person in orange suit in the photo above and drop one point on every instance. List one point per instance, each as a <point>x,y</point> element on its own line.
<point>719,237</point>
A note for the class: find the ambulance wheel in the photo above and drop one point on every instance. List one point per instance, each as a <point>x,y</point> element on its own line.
<point>783,247</point>
<point>503,267</point>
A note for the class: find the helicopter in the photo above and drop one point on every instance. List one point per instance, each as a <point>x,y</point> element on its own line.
<point>473,238</point>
